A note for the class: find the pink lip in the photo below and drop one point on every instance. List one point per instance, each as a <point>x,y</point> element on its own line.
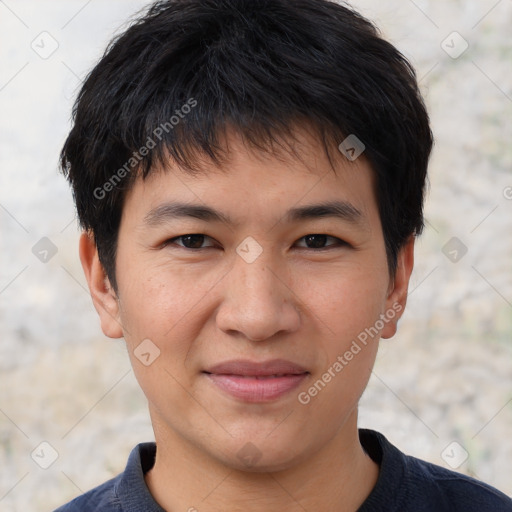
<point>257,382</point>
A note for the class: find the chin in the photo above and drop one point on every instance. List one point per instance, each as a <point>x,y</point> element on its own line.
<point>253,455</point>
<point>264,465</point>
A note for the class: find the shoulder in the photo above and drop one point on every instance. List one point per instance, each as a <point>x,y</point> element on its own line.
<point>102,498</point>
<point>127,492</point>
<point>458,491</point>
<point>408,483</point>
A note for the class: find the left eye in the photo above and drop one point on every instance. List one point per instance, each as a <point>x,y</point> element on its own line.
<point>318,240</point>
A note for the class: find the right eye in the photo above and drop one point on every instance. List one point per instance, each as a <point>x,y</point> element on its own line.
<point>191,241</point>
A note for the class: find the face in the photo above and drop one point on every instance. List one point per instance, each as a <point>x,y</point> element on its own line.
<point>256,280</point>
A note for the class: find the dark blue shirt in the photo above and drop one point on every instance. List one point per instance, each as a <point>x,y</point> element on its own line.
<point>405,484</point>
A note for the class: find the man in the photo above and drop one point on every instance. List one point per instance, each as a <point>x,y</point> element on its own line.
<point>249,176</point>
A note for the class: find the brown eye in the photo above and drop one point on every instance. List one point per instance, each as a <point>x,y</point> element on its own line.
<point>190,241</point>
<point>317,241</point>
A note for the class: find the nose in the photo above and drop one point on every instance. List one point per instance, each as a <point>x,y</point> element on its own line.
<point>258,302</point>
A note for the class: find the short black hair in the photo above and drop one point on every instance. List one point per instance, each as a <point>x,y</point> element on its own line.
<point>184,70</point>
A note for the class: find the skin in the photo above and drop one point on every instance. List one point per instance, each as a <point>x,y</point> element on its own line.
<point>208,305</point>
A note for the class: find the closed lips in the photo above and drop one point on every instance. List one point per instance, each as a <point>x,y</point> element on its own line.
<point>247,368</point>
<point>256,382</point>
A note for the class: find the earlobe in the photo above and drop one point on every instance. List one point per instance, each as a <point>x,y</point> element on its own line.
<point>397,295</point>
<point>103,296</point>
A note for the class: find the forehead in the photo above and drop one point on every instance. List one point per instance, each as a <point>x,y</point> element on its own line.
<point>250,182</point>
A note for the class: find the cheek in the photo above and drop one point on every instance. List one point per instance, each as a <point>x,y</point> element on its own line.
<point>347,310</point>
<point>347,303</point>
<point>166,305</point>
<point>165,308</point>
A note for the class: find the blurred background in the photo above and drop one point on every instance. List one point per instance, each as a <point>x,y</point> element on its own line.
<point>70,409</point>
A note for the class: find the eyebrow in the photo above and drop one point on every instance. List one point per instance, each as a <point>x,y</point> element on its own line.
<point>166,212</point>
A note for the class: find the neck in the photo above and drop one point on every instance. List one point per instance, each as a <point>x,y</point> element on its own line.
<point>338,478</point>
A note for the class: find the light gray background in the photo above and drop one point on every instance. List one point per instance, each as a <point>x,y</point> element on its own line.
<point>445,377</point>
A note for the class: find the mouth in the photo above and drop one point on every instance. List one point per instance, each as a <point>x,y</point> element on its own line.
<point>252,381</point>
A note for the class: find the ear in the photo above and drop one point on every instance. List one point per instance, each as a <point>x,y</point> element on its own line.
<point>398,287</point>
<point>103,296</point>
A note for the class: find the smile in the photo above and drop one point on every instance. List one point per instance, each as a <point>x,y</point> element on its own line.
<point>256,388</point>
<point>256,381</point>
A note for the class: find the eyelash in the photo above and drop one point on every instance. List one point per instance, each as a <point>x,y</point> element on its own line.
<point>339,242</point>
